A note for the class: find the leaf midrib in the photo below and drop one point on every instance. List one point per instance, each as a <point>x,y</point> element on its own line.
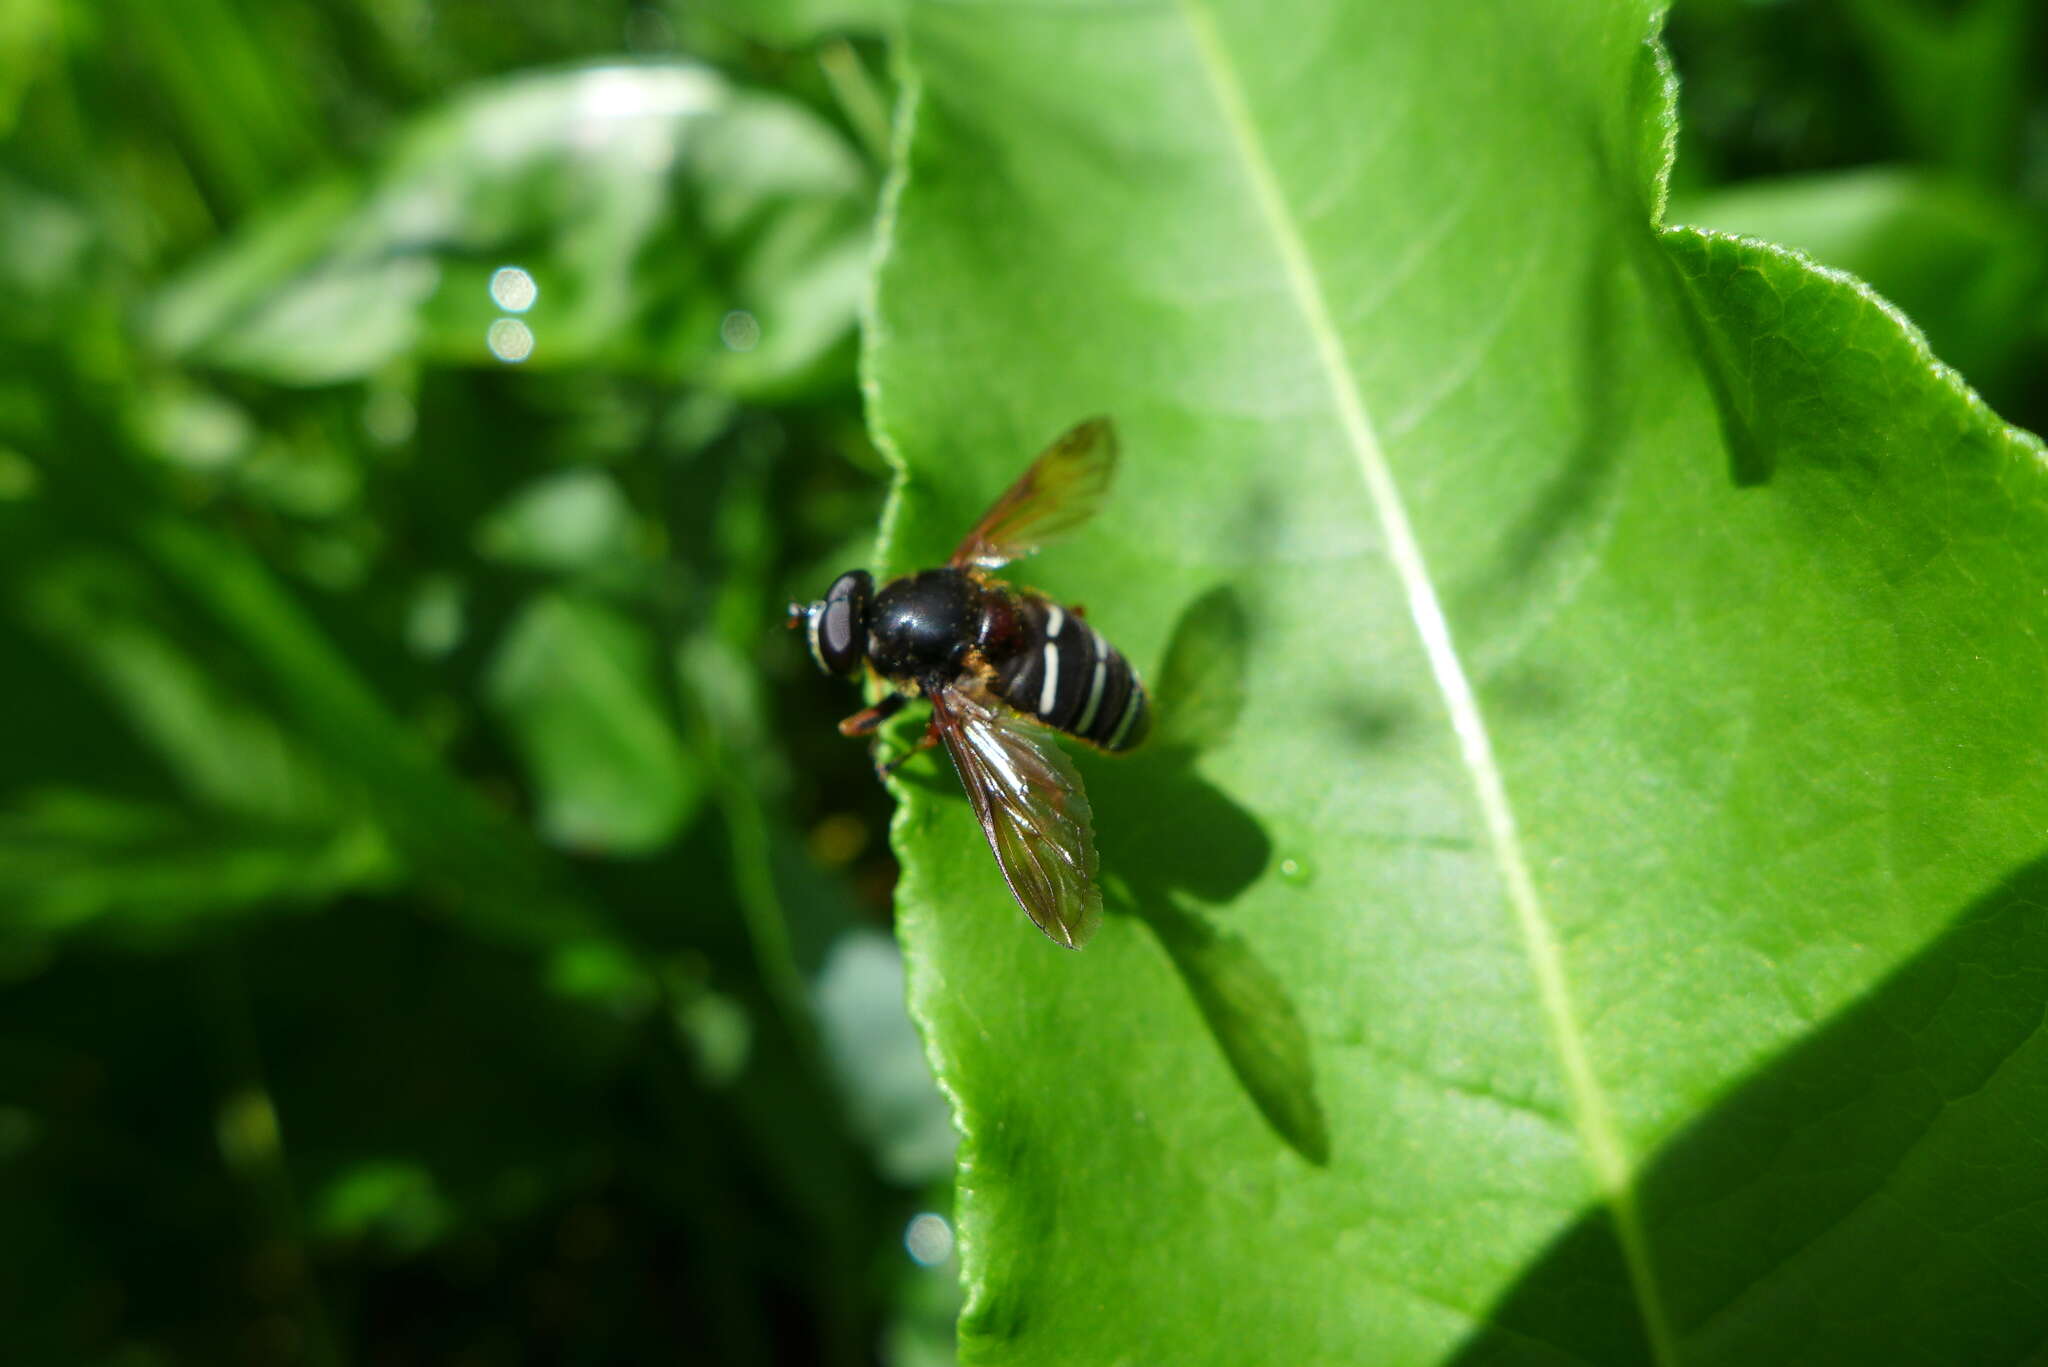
<point>1592,1114</point>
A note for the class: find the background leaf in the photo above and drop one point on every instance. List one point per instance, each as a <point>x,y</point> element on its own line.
<point>662,218</point>
<point>299,980</point>
<point>1970,269</point>
<point>791,23</point>
<point>575,683</point>
<point>1641,669</point>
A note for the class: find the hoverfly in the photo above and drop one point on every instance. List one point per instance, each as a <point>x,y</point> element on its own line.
<point>993,659</point>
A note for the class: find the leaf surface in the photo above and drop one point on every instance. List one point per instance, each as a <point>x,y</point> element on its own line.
<point>1970,269</point>
<point>1617,652</point>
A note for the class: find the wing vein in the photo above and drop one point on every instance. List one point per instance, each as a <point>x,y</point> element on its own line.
<point>1592,1115</point>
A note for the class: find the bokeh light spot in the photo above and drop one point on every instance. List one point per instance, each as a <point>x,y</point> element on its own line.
<point>929,1239</point>
<point>245,1126</point>
<point>513,290</point>
<point>510,340</point>
<point>740,330</point>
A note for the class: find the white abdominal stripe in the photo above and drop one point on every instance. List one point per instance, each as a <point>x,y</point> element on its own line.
<point>1072,679</point>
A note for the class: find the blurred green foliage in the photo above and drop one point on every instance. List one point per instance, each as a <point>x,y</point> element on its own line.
<point>436,925</point>
<point>437,920</point>
<point>1904,141</point>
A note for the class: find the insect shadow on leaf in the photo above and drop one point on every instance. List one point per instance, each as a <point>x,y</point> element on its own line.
<point>1173,840</point>
<point>1545,549</point>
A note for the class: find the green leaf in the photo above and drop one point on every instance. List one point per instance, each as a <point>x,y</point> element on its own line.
<point>1957,80</point>
<point>665,221</point>
<point>795,23</point>
<point>1638,635</point>
<point>299,714</point>
<point>466,854</point>
<point>574,682</point>
<point>572,520</point>
<point>73,861</point>
<point>1970,269</point>
<point>890,1100</point>
<point>391,1200</point>
<point>226,751</point>
<point>30,34</point>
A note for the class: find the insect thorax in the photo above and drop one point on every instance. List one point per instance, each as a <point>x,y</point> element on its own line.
<point>923,623</point>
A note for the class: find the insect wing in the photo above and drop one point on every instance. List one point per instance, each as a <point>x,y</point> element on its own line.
<point>1060,491</point>
<point>1032,808</point>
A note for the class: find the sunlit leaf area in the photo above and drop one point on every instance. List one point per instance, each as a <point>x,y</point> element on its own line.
<point>1583,901</point>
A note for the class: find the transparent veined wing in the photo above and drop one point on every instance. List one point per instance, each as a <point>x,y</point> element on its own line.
<point>1061,490</point>
<point>1031,805</point>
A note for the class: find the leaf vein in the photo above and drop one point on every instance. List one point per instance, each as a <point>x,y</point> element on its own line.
<point>1599,1134</point>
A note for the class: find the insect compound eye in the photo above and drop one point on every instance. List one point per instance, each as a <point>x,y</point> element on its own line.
<point>839,625</point>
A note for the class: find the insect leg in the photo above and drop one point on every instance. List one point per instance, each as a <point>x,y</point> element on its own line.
<point>925,742</point>
<point>867,719</point>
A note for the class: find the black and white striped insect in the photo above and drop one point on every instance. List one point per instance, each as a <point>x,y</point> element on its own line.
<point>999,663</point>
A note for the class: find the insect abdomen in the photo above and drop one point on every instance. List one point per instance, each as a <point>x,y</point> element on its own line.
<point>1063,673</point>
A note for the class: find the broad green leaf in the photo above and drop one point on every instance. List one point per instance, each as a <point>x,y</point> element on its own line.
<point>664,221</point>
<point>1971,270</point>
<point>1636,771</point>
<point>574,682</point>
